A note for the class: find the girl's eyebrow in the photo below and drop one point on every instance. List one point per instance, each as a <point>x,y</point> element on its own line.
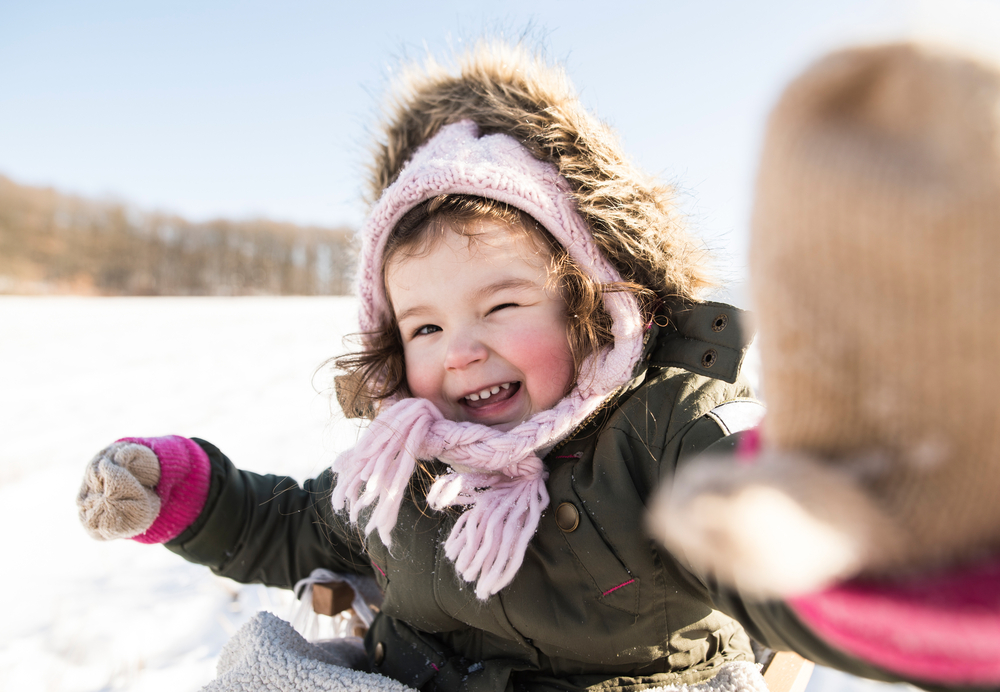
<point>510,284</point>
<point>415,311</point>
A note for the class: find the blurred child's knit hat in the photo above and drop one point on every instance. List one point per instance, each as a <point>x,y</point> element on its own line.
<point>507,127</point>
<point>874,262</point>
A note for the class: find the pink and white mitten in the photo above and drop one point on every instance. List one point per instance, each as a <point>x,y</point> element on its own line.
<point>148,489</point>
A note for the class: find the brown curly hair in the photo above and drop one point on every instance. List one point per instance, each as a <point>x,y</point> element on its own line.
<point>377,370</point>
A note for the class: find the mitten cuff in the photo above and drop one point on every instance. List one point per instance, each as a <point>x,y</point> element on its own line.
<point>185,473</point>
<point>942,628</point>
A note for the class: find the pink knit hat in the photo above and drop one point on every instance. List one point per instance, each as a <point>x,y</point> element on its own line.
<point>502,480</point>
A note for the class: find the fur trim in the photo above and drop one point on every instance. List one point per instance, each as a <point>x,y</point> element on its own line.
<point>508,89</point>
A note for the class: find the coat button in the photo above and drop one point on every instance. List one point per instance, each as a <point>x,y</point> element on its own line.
<point>379,653</point>
<point>720,322</point>
<point>567,517</point>
<point>709,358</point>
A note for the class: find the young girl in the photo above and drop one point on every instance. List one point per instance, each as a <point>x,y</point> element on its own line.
<point>534,362</point>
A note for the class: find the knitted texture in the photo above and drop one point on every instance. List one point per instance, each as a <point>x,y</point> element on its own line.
<point>875,238</point>
<point>116,498</point>
<point>267,655</point>
<point>496,475</point>
<point>182,488</point>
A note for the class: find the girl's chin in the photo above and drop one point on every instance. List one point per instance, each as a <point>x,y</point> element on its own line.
<point>507,427</point>
<point>501,423</point>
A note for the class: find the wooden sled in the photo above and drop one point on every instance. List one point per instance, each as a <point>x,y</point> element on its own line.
<point>784,671</point>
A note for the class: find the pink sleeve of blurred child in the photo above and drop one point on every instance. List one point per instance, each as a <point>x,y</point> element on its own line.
<point>183,487</point>
<point>941,628</point>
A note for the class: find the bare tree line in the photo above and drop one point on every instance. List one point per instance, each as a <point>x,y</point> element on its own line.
<point>52,242</point>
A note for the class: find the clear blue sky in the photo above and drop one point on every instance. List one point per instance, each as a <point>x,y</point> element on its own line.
<point>245,108</point>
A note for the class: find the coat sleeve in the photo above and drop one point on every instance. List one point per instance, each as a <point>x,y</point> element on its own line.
<point>775,625</point>
<point>269,529</point>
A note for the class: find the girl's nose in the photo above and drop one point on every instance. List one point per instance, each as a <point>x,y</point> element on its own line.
<point>463,351</point>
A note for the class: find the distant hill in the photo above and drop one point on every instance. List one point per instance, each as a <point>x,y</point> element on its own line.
<point>54,243</point>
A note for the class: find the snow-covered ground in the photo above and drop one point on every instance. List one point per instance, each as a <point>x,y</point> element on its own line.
<point>75,374</point>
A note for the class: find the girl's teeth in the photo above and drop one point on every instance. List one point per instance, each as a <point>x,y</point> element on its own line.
<point>487,393</point>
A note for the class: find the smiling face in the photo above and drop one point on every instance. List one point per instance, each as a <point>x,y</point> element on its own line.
<point>484,336</point>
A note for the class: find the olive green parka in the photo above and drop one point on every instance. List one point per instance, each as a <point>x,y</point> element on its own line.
<point>595,602</point>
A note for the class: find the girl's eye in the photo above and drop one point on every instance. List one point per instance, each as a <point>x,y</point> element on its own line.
<point>502,306</point>
<point>426,329</point>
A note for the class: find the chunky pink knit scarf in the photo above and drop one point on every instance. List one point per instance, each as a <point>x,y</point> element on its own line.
<point>497,476</point>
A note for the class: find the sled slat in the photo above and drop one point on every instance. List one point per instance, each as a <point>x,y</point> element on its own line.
<point>332,598</point>
<point>788,672</point>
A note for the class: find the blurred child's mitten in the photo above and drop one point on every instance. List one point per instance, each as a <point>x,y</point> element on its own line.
<point>147,489</point>
<point>876,232</point>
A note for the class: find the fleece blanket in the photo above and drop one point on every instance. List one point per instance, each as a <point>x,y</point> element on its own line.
<point>268,655</point>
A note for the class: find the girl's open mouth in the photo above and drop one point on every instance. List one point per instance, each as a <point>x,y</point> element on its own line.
<point>491,395</point>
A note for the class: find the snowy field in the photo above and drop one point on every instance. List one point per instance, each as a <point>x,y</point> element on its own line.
<point>76,374</point>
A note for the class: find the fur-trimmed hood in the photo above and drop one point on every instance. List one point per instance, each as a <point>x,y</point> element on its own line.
<point>507,89</point>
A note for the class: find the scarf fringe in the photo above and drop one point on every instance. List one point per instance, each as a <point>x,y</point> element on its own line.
<point>499,479</point>
<point>382,463</point>
<point>504,497</point>
<point>489,540</point>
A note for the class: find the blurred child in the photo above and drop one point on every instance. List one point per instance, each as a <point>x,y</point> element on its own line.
<point>876,237</point>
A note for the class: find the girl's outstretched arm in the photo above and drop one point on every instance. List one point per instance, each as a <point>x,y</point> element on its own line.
<point>188,495</point>
<point>269,529</point>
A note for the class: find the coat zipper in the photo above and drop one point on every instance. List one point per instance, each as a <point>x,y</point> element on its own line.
<point>604,404</point>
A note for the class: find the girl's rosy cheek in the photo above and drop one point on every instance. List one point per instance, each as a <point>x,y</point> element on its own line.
<point>416,376</point>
